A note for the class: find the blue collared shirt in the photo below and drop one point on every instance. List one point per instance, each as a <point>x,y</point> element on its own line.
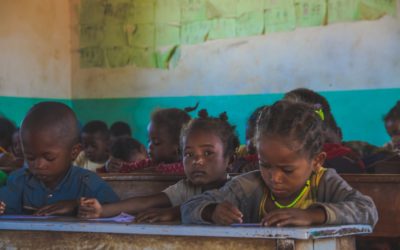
<point>24,189</point>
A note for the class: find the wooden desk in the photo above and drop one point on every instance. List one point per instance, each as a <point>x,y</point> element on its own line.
<point>70,233</point>
<point>384,190</point>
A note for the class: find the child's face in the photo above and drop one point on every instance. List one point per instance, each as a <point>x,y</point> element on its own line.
<point>393,129</point>
<point>161,149</point>
<point>48,158</point>
<point>95,147</point>
<point>203,158</point>
<point>283,170</point>
<point>16,145</point>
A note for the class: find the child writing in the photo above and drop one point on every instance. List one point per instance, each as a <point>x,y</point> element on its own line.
<point>163,148</point>
<point>95,138</point>
<point>291,187</point>
<point>208,146</point>
<point>51,185</point>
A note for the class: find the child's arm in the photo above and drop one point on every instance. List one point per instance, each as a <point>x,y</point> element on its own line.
<point>224,213</point>
<point>295,217</point>
<point>160,215</point>
<point>59,208</point>
<point>2,207</point>
<point>91,208</point>
<point>342,203</point>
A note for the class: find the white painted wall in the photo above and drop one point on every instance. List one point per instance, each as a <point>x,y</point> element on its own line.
<point>35,48</point>
<point>344,56</point>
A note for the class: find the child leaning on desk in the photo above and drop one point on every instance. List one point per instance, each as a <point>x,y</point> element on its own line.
<point>51,184</point>
<point>291,188</point>
<point>208,145</point>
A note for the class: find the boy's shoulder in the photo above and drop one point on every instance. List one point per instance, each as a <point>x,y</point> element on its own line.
<point>89,177</point>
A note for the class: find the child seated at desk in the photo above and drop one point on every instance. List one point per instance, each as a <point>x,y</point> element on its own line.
<point>51,185</point>
<point>208,146</point>
<point>119,129</point>
<point>95,138</point>
<point>163,148</point>
<point>291,187</point>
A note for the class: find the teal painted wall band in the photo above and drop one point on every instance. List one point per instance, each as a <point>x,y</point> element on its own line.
<point>359,113</point>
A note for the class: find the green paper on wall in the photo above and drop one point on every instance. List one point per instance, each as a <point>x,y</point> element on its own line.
<point>310,12</point>
<point>193,10</point>
<point>222,28</point>
<point>143,57</point>
<point>91,12</point>
<point>115,12</point>
<point>142,35</point>
<point>114,35</point>
<point>221,9</point>
<point>167,57</point>
<point>193,33</point>
<point>91,57</point>
<point>250,24</point>
<point>374,9</point>
<point>141,12</point>
<point>118,56</point>
<point>168,12</point>
<point>90,36</point>
<point>343,10</point>
<point>247,6</point>
<point>167,35</point>
<point>279,16</point>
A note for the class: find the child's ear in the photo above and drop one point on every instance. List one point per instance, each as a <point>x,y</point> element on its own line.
<point>319,160</point>
<point>76,149</point>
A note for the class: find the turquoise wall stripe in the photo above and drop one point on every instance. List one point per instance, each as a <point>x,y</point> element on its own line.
<point>358,112</point>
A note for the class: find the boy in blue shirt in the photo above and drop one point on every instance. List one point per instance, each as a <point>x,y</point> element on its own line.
<point>51,185</point>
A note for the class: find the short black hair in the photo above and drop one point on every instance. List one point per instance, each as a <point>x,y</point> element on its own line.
<point>394,113</point>
<point>297,122</point>
<point>216,125</point>
<point>53,115</point>
<point>96,127</point>
<point>333,132</point>
<point>172,120</point>
<point>124,147</point>
<point>7,129</point>
<point>120,128</point>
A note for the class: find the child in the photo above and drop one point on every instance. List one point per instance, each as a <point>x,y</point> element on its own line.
<point>119,129</point>
<point>8,162</point>
<point>95,138</point>
<point>123,151</point>
<point>291,187</point>
<point>246,155</point>
<point>208,145</point>
<point>343,159</point>
<point>392,125</point>
<point>163,148</point>
<point>51,185</point>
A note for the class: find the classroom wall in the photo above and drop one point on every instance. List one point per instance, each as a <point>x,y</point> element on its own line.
<point>356,65</point>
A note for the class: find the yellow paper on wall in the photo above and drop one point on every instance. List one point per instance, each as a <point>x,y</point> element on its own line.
<point>114,35</point>
<point>143,57</point>
<point>193,11</point>
<point>250,24</point>
<point>90,36</point>
<point>116,12</point>
<point>167,57</point>
<point>248,6</point>
<point>91,12</point>
<point>167,35</point>
<point>141,12</point>
<point>91,57</point>
<point>142,35</point>
<point>221,9</point>
<point>168,12</point>
<point>279,16</point>
<point>196,32</point>
<point>117,57</point>
<point>374,9</point>
<point>343,10</point>
<point>310,12</point>
<point>222,28</point>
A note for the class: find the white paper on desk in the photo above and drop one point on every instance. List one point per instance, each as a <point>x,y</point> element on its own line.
<point>122,218</point>
<point>16,217</point>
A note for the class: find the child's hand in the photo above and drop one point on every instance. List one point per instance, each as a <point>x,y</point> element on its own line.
<point>89,208</point>
<point>2,207</point>
<point>294,217</point>
<point>113,165</point>
<point>159,215</point>
<point>59,208</point>
<point>226,213</point>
